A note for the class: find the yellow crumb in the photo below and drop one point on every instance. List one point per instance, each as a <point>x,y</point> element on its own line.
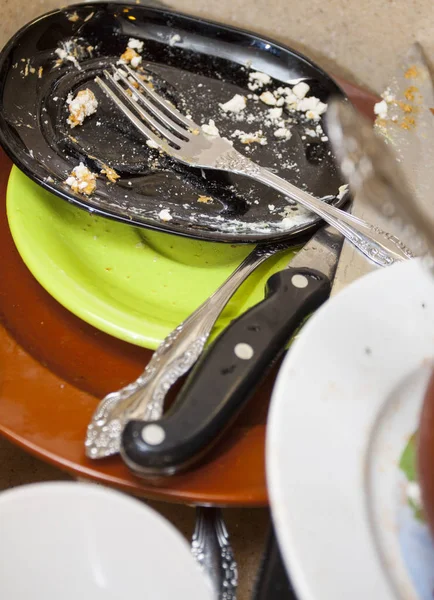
<point>410,92</point>
<point>74,17</point>
<point>129,54</point>
<point>405,107</point>
<point>131,18</point>
<point>40,71</point>
<point>205,199</point>
<point>408,123</point>
<point>411,73</point>
<point>110,173</point>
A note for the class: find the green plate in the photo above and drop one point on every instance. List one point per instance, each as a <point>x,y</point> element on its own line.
<point>134,284</point>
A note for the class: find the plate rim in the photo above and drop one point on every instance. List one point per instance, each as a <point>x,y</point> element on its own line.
<point>274,447</point>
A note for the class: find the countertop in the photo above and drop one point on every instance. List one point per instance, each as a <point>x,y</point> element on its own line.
<point>361,41</point>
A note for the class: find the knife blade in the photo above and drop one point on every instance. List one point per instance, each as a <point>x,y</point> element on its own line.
<point>228,372</point>
<point>408,127</point>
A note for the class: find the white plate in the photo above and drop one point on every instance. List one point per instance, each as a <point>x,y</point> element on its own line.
<point>346,401</point>
<point>74,541</point>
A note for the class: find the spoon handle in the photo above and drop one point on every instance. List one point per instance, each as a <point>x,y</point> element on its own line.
<point>144,397</point>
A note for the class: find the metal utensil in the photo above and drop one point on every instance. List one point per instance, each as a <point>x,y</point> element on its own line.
<point>228,372</point>
<point>212,550</point>
<point>414,148</point>
<point>183,140</point>
<point>144,397</point>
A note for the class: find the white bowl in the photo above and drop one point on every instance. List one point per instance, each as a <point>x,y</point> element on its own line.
<point>85,542</point>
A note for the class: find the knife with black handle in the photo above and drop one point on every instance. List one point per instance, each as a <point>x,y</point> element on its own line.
<point>230,369</point>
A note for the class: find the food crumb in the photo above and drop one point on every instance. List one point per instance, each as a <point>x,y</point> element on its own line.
<point>83,105</point>
<point>301,89</point>
<point>152,144</point>
<point>268,98</point>
<point>110,173</point>
<point>174,39</point>
<point>81,180</point>
<point>257,80</point>
<point>282,133</point>
<point>205,199</point>
<point>210,129</point>
<point>165,215</point>
<point>381,109</point>
<point>135,44</point>
<point>235,104</point>
<point>411,73</point>
<point>73,17</point>
<point>130,56</point>
<point>410,92</point>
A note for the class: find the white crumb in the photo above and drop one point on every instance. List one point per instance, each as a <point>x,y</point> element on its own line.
<point>83,105</point>
<point>135,61</point>
<point>380,109</point>
<point>268,98</point>
<point>235,104</point>
<point>257,80</point>
<point>210,129</point>
<point>152,144</point>
<point>300,90</point>
<point>174,39</point>
<point>342,191</point>
<point>282,133</point>
<point>165,215</point>
<point>135,44</point>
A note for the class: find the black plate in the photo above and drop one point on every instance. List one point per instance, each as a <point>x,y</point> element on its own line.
<point>208,65</point>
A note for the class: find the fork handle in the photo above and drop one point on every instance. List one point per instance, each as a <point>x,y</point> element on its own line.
<point>380,247</point>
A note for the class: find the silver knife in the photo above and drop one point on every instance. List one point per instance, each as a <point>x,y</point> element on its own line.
<point>407,125</point>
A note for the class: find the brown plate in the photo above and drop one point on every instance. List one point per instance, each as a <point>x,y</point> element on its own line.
<point>54,368</point>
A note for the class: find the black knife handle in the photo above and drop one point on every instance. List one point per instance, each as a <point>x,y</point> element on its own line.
<point>225,377</point>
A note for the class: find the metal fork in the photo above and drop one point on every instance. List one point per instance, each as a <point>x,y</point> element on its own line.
<point>183,139</point>
<point>210,546</point>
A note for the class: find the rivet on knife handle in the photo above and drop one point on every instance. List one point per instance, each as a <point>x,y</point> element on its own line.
<point>144,398</point>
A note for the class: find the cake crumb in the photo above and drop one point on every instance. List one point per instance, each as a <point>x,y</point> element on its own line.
<point>81,180</point>
<point>165,215</point>
<point>110,173</point>
<point>83,105</point>
<point>235,104</point>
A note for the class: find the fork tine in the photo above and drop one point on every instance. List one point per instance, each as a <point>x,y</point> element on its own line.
<point>132,117</point>
<point>152,108</point>
<point>163,103</point>
<point>145,115</point>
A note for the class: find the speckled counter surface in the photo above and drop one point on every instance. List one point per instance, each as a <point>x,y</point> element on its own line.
<point>361,41</point>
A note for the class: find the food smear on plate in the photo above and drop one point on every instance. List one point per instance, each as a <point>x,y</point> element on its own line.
<point>83,105</point>
<point>81,180</point>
